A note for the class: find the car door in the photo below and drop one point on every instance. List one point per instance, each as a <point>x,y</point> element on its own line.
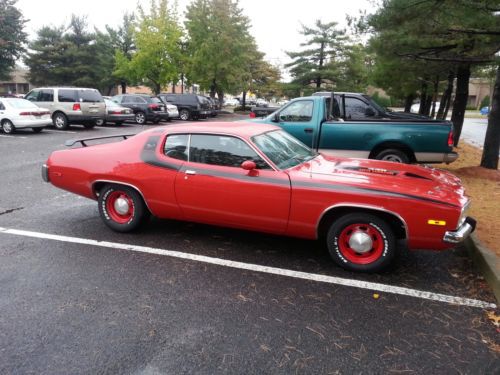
<point>297,119</point>
<point>212,187</point>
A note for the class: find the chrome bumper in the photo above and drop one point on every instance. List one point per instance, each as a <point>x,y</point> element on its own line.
<point>450,157</point>
<point>45,173</point>
<point>461,233</point>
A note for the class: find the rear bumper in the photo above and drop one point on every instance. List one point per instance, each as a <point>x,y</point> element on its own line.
<point>450,157</point>
<point>120,118</point>
<point>84,118</point>
<point>459,235</point>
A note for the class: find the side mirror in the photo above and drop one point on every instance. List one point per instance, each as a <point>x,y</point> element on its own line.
<point>248,165</point>
<point>369,112</point>
<point>276,117</point>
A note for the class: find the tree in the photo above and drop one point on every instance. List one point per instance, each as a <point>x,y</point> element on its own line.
<point>157,41</point>
<point>12,37</point>
<point>219,47</point>
<point>122,43</point>
<point>491,147</point>
<point>70,56</point>
<point>460,33</point>
<point>315,63</point>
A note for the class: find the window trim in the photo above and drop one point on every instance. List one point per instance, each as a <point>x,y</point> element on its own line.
<point>248,143</point>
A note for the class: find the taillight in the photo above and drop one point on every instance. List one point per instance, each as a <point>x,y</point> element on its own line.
<point>115,112</point>
<point>450,139</point>
<point>25,114</point>
<point>153,106</point>
<point>253,115</point>
<point>77,107</point>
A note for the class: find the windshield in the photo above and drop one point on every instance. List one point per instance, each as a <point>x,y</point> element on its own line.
<point>110,103</point>
<point>374,104</point>
<point>282,149</point>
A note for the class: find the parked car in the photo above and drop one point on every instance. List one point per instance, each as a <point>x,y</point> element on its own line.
<point>145,107</point>
<point>485,111</point>
<point>116,113</point>
<point>191,106</point>
<point>18,113</point>
<point>261,103</point>
<point>233,102</point>
<point>415,108</point>
<point>214,106</point>
<point>261,178</point>
<point>173,111</point>
<point>70,105</point>
<point>355,126</point>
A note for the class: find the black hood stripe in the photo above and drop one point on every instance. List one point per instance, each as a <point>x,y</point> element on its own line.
<point>148,156</point>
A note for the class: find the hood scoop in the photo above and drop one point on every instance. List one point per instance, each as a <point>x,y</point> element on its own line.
<point>386,172</point>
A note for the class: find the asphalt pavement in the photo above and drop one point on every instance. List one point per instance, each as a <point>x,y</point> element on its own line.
<point>182,298</point>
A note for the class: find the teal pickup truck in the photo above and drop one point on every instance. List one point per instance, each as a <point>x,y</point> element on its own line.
<point>352,125</point>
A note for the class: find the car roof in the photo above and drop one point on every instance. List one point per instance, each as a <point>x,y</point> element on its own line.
<point>242,129</point>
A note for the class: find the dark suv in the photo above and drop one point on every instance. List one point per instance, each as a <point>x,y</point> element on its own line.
<point>191,106</point>
<point>145,107</point>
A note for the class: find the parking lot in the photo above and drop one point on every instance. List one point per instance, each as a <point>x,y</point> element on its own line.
<point>180,298</point>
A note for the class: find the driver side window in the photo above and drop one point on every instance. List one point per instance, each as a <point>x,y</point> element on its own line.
<point>300,111</point>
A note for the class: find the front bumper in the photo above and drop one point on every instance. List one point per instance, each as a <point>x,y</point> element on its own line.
<point>45,173</point>
<point>464,231</point>
<point>120,118</point>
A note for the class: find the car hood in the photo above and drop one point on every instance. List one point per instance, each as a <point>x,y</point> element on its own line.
<point>382,177</point>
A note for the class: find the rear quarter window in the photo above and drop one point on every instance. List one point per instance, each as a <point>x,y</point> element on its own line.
<point>67,96</point>
<point>90,96</point>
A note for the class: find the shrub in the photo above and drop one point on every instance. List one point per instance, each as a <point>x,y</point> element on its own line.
<point>241,109</point>
<point>485,102</point>
<point>382,101</point>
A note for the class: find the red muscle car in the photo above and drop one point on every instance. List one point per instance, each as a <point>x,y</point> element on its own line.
<point>260,178</point>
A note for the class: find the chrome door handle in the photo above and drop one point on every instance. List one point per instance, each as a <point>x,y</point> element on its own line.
<point>189,171</point>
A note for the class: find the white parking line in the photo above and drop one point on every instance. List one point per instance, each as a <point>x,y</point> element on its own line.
<point>12,136</point>
<point>257,268</point>
<point>59,131</point>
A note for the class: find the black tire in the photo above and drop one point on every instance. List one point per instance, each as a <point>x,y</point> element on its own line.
<point>156,120</point>
<point>373,237</point>
<point>140,118</point>
<point>118,123</point>
<point>89,125</point>
<point>8,127</point>
<point>100,122</point>
<point>184,115</point>
<point>109,208</point>
<point>394,155</point>
<point>37,130</point>
<point>169,119</point>
<point>60,121</point>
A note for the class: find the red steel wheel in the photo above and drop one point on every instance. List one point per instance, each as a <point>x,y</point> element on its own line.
<point>121,207</point>
<point>361,242</point>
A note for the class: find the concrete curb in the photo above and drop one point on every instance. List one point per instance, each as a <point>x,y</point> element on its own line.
<point>487,262</point>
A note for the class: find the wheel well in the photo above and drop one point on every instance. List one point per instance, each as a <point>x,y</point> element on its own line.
<point>57,112</point>
<point>394,145</point>
<point>395,222</point>
<point>97,186</point>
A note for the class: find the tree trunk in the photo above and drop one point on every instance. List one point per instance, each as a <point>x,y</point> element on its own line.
<point>423,98</point>
<point>460,103</point>
<point>244,99</point>
<point>123,85</point>
<point>182,83</point>
<point>434,96</point>
<point>213,88</point>
<point>220,96</point>
<point>409,102</point>
<point>428,104</point>
<point>445,100</point>
<point>492,139</point>
<point>173,88</point>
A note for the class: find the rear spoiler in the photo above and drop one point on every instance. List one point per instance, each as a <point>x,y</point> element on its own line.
<point>82,141</point>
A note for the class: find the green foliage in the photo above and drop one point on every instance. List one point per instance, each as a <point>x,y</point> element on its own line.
<point>70,56</point>
<point>157,41</point>
<point>324,45</point>
<point>485,102</point>
<point>12,36</point>
<point>221,55</point>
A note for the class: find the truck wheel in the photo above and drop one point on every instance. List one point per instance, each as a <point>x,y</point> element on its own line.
<point>361,242</point>
<point>121,208</point>
<point>394,155</point>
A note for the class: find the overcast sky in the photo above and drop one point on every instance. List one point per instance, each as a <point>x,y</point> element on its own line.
<point>275,23</point>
